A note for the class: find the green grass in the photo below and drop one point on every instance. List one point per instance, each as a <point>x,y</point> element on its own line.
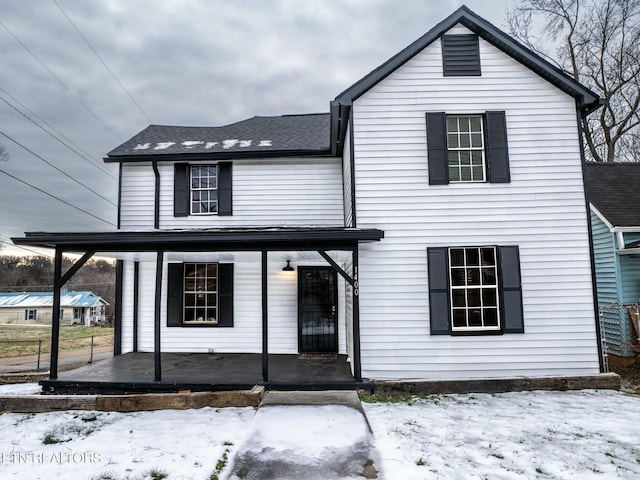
<point>71,338</point>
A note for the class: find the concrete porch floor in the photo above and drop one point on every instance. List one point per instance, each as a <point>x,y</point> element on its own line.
<point>134,373</point>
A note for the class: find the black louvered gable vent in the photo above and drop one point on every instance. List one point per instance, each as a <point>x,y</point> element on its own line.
<point>460,55</point>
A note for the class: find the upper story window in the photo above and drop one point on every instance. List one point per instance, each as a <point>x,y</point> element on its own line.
<point>204,189</point>
<point>467,148</point>
<point>465,139</point>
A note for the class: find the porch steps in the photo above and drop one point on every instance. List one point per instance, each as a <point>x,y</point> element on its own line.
<point>310,435</point>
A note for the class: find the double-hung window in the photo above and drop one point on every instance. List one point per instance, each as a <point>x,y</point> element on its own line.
<point>204,189</point>
<point>201,293</point>
<point>475,290</point>
<point>465,148</point>
<point>30,314</point>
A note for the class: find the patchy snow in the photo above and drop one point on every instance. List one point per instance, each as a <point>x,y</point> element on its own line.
<point>530,435</point>
<point>209,145</point>
<point>304,441</point>
<point>265,143</point>
<point>142,146</point>
<point>227,144</point>
<point>245,143</point>
<point>20,389</point>
<point>163,145</point>
<point>192,143</point>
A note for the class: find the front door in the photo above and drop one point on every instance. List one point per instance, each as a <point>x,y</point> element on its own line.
<point>317,310</point>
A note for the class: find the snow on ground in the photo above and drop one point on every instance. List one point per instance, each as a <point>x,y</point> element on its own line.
<point>20,389</point>
<point>529,435</point>
<point>525,435</point>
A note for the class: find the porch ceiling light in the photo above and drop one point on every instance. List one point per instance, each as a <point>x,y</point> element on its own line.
<point>287,267</point>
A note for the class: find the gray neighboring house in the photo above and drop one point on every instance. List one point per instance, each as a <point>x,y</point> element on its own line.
<point>614,196</point>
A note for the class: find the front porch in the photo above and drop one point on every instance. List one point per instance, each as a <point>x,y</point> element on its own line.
<point>134,373</point>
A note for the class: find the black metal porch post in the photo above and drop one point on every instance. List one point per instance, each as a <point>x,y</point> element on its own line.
<point>156,318</point>
<point>265,320</point>
<point>136,292</point>
<point>357,368</point>
<point>117,318</point>
<point>55,316</point>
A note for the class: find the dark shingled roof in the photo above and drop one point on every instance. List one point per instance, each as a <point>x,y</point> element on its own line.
<point>269,136</point>
<point>614,189</point>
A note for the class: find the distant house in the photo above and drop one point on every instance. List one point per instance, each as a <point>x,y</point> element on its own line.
<point>432,225</point>
<point>614,195</point>
<point>84,308</point>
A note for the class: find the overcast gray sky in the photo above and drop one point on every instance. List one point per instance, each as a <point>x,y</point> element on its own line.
<point>184,62</point>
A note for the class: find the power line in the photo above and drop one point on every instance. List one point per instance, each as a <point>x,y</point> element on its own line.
<point>57,198</point>
<point>56,168</point>
<point>60,81</point>
<point>52,135</point>
<point>102,61</point>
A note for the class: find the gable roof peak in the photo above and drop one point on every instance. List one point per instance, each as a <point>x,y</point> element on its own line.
<point>587,100</point>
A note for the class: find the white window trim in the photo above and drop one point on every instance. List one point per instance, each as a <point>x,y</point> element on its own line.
<point>193,189</point>
<point>496,287</point>
<point>185,292</point>
<point>481,149</point>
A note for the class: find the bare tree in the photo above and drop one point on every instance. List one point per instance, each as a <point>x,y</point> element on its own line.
<point>597,42</point>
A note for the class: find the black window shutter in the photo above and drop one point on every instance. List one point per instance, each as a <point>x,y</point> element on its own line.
<point>181,190</point>
<point>438,266</point>
<point>225,197</point>
<point>437,148</point>
<point>511,290</point>
<point>174,294</point>
<point>225,294</point>
<point>460,55</point>
<point>497,151</point>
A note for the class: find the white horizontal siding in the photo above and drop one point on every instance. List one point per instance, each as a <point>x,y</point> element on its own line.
<point>137,196</point>
<point>542,211</point>
<point>246,334</point>
<point>279,192</point>
<point>347,179</point>
<point>275,192</point>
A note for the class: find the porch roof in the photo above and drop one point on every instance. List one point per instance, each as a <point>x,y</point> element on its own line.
<point>215,239</point>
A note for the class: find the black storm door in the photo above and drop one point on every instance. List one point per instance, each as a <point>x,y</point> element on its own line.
<point>317,310</point>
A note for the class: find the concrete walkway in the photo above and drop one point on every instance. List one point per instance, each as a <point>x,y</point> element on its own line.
<point>308,435</point>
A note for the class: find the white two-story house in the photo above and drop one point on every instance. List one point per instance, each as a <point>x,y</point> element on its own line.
<point>432,226</point>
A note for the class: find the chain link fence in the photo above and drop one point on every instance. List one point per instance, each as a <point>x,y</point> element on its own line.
<point>18,356</point>
<point>619,327</point>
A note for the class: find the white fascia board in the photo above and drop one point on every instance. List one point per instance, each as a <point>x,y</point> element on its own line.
<point>602,218</point>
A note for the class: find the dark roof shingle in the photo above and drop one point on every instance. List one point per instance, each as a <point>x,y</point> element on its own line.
<point>268,135</point>
<point>614,189</point>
